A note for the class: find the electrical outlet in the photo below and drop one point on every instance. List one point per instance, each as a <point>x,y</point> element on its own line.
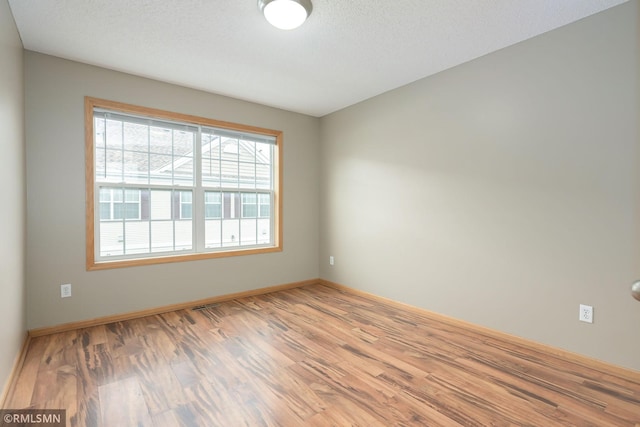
<point>331,260</point>
<point>65,290</point>
<point>586,313</point>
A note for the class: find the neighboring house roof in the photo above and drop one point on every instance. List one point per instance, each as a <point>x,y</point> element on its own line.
<point>150,150</point>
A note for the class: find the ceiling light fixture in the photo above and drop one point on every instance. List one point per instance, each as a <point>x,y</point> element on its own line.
<point>285,14</point>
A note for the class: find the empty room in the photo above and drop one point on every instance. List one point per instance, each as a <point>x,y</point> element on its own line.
<point>317,213</point>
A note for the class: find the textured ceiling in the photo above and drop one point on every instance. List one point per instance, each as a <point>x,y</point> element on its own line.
<point>348,50</point>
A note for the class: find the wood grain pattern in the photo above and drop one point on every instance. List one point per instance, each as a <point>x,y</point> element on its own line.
<point>38,332</point>
<point>314,356</point>
<point>472,329</point>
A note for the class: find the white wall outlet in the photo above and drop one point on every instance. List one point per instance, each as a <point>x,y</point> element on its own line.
<point>331,260</point>
<point>65,290</point>
<point>586,313</point>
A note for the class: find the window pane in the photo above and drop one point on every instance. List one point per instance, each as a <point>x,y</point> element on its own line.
<point>136,137</point>
<point>249,206</point>
<point>113,166</point>
<point>100,164</point>
<point>212,197</point>
<point>213,233</point>
<point>111,238</point>
<point>183,171</point>
<point>183,143</point>
<point>264,231</point>
<point>184,235</point>
<point>105,195</point>
<point>211,147</point>
<point>229,174</point>
<point>137,237</point>
<point>113,130</point>
<point>263,177</point>
<point>206,138</point>
<point>161,236</point>
<point>230,149</point>
<point>116,194</point>
<point>132,195</point>
<point>249,198</point>
<point>105,211</point>
<point>118,211</point>
<point>185,211</point>
<point>247,151</point>
<point>248,232</point>
<point>136,167</point>
<point>247,175</point>
<point>265,206</point>
<point>211,172</point>
<point>265,211</point>
<point>161,169</point>
<point>99,132</point>
<point>160,201</point>
<point>132,210</point>
<point>213,211</point>
<point>263,153</point>
<point>161,140</point>
<point>212,205</point>
<point>249,211</point>
<point>231,205</point>
<point>112,206</point>
<point>186,197</point>
<point>230,232</point>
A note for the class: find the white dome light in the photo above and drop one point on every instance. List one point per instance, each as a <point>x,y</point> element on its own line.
<point>285,14</point>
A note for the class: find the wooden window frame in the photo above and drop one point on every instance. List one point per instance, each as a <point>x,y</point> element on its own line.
<point>91,263</point>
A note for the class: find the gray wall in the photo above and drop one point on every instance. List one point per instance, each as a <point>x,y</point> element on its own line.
<point>55,91</point>
<point>505,191</point>
<point>12,214</point>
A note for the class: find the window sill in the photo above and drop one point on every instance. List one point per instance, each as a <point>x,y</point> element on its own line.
<point>107,265</point>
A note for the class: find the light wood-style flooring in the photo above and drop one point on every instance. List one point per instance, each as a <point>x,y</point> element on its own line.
<point>311,356</point>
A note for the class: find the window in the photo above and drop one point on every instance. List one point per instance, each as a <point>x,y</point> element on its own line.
<point>212,205</point>
<point>118,203</point>
<point>249,206</point>
<point>165,187</point>
<point>186,204</point>
<point>256,205</point>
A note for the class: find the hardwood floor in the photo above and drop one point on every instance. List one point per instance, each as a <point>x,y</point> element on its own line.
<point>312,356</point>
